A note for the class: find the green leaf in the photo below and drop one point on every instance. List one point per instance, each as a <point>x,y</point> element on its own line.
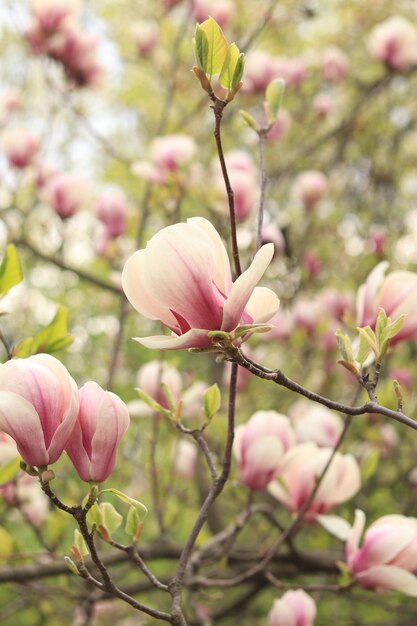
<point>232,68</point>
<point>341,344</point>
<point>363,351</point>
<point>170,398</point>
<point>80,543</point>
<point>370,465</point>
<point>369,336</point>
<point>94,514</point>
<point>217,46</point>
<point>381,323</point>
<point>212,401</point>
<point>127,499</point>
<point>200,44</point>
<point>10,270</point>
<point>6,543</point>
<point>9,470</point>
<point>155,406</point>
<point>71,565</point>
<point>249,120</point>
<point>274,94</point>
<point>132,521</point>
<point>110,518</point>
<point>393,328</point>
<point>50,339</point>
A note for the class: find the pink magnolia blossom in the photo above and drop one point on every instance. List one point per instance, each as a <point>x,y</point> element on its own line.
<point>244,181</point>
<point>260,446</point>
<point>281,126</point>
<point>38,407</point>
<point>65,193</point>
<point>323,104</point>
<point>272,234</point>
<point>302,466</point>
<point>396,293</point>
<point>152,374</point>
<point>316,423</point>
<point>49,18</point>
<point>24,494</point>
<point>394,41</point>
<point>293,71</point>
<point>183,279</point>
<point>171,152</point>
<point>21,147</point>
<point>102,420</point>
<point>388,554</point>
<point>111,210</point>
<point>295,608</point>
<point>334,64</point>
<point>222,11</point>
<point>185,458</point>
<point>260,69</point>
<point>145,36</point>
<point>309,188</point>
<point>77,51</point>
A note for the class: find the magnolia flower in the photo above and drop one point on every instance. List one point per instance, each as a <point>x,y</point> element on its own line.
<point>145,35</point>
<point>260,445</point>
<point>396,293</point>
<point>259,71</point>
<point>149,379</point>
<point>394,42</point>
<point>38,407</point>
<point>185,458</point>
<point>102,420</point>
<point>316,423</point>
<point>280,127</point>
<point>65,193</point>
<point>302,466</point>
<point>295,608</point>
<point>309,188</point>
<point>111,210</point>
<point>334,64</point>
<point>221,11</point>
<point>388,554</point>
<point>183,279</point>
<point>21,147</point>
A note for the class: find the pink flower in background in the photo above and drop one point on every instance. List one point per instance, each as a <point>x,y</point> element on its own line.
<point>316,423</point>
<point>152,374</point>
<point>309,188</point>
<point>293,71</point>
<point>323,104</point>
<point>172,152</point>
<point>260,446</point>
<point>244,181</point>
<point>388,554</point>
<point>112,210</point>
<point>377,240</point>
<point>49,18</point>
<point>259,71</point>
<point>102,420</point>
<point>272,234</point>
<point>38,407</point>
<point>312,264</point>
<point>396,293</point>
<point>145,36</point>
<point>394,41</point>
<point>183,279</point>
<point>185,458</point>
<point>334,64</point>
<point>302,466</point>
<point>21,147</point>
<point>222,11</point>
<point>65,193</point>
<point>294,608</point>
<point>77,51</point>
<point>281,126</point>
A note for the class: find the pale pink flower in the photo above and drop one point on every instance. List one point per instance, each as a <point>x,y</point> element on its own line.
<point>52,15</point>
<point>388,554</point>
<point>295,608</point>
<point>311,263</point>
<point>65,193</point>
<point>244,181</point>
<point>21,147</point>
<point>302,466</point>
<point>112,210</point>
<point>377,240</point>
<point>102,420</point>
<point>316,423</point>
<point>396,293</point>
<point>309,188</point>
<point>171,152</point>
<point>394,41</point>
<point>334,64</point>
<point>293,71</point>
<point>280,127</point>
<point>145,36</point>
<point>192,400</point>
<point>183,279</point>
<point>8,449</point>
<point>152,374</point>
<point>272,234</point>
<point>185,458</point>
<point>260,69</point>
<point>38,406</point>
<point>222,11</point>
<point>77,51</point>
<point>323,104</point>
<point>260,446</point>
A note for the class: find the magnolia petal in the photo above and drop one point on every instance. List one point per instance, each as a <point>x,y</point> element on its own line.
<point>389,577</point>
<point>335,525</point>
<point>134,287</point>
<point>194,338</point>
<point>366,303</point>
<point>179,262</point>
<point>19,419</point>
<point>356,533</point>
<point>381,544</point>
<point>244,286</point>
<point>261,462</point>
<point>262,304</point>
<point>222,277</point>
<point>397,288</point>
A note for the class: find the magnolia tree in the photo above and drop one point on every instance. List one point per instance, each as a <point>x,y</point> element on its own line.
<point>251,224</point>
